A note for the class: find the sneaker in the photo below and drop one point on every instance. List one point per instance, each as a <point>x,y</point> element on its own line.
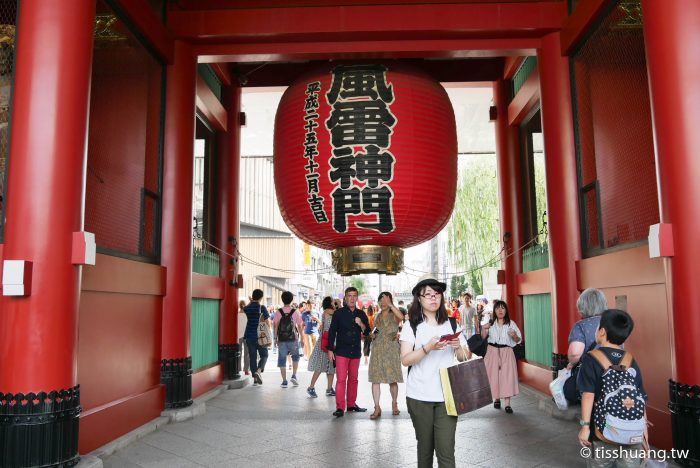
<point>256,378</point>
<point>294,380</point>
<point>330,392</point>
<point>311,392</point>
<point>284,384</point>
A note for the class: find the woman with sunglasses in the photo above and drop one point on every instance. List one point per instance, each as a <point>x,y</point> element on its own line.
<point>423,351</point>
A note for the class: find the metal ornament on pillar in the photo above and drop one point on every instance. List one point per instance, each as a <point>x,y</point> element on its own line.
<point>365,162</point>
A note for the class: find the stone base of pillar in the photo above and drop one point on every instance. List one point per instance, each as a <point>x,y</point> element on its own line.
<point>559,361</point>
<point>230,357</point>
<point>40,429</point>
<point>684,403</point>
<point>176,375</point>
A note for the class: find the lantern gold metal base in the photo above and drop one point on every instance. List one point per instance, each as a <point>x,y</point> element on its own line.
<point>368,259</point>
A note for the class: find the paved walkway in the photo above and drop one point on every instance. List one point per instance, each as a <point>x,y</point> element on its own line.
<point>270,426</point>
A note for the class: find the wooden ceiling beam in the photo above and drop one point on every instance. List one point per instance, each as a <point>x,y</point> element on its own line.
<point>385,22</point>
<point>445,71</point>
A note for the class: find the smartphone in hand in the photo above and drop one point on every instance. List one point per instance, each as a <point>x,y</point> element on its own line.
<point>449,337</point>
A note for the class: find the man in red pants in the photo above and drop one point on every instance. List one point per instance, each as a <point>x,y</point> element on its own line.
<point>345,349</point>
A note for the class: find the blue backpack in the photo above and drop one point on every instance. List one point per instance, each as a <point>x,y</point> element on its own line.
<point>618,410</point>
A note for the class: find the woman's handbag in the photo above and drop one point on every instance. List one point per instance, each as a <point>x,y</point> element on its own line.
<point>324,342</point>
<point>465,387</point>
<point>264,332</point>
<point>477,344</point>
<point>519,350</point>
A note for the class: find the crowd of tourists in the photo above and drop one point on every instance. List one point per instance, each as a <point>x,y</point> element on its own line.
<point>431,334</point>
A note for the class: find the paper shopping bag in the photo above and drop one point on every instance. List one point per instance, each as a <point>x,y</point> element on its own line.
<point>465,387</point>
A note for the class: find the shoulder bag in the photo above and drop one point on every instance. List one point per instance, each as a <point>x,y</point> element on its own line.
<point>324,334</point>
<point>519,349</point>
<point>264,332</point>
<point>476,343</point>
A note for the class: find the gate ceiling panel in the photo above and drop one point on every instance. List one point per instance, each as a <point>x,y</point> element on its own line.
<point>242,4</point>
<point>323,32</point>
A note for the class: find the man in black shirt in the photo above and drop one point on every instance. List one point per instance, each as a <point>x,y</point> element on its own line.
<point>345,349</point>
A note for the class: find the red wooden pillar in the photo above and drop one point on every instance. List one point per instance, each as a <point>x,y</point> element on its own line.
<point>229,168</point>
<point>176,245</point>
<point>562,187</point>
<point>44,207</point>
<point>671,35</point>
<point>509,192</point>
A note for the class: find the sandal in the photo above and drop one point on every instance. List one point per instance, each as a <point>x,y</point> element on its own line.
<point>376,414</point>
<point>497,404</point>
<point>395,409</point>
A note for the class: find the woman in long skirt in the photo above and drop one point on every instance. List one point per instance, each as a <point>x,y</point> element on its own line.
<point>503,334</point>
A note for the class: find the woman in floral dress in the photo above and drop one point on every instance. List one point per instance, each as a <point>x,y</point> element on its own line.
<point>385,360</point>
<point>318,362</point>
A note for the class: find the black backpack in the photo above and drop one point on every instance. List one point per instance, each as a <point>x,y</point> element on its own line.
<point>285,329</point>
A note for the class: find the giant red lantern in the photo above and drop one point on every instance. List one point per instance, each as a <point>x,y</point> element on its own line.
<point>365,162</point>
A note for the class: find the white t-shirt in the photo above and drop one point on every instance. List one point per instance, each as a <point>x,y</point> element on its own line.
<point>423,383</point>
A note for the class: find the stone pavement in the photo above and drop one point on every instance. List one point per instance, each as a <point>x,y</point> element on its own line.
<point>270,426</point>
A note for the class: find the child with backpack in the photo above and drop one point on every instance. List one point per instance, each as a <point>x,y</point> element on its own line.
<point>613,400</point>
<point>288,327</point>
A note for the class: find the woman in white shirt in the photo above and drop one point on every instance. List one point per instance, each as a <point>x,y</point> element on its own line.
<point>423,351</point>
<point>501,366</point>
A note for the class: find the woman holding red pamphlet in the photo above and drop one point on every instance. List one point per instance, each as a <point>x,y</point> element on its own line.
<point>422,350</point>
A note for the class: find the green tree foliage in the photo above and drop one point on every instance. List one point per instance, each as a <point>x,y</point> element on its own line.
<point>476,283</point>
<point>358,283</point>
<point>540,195</point>
<point>474,231</point>
<point>458,284</point>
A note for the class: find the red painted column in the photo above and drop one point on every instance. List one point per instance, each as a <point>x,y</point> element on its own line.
<point>222,141</point>
<point>176,240</point>
<point>562,188</point>
<point>229,169</point>
<point>671,35</point>
<point>44,207</point>
<point>509,193</point>
<point>45,192</point>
